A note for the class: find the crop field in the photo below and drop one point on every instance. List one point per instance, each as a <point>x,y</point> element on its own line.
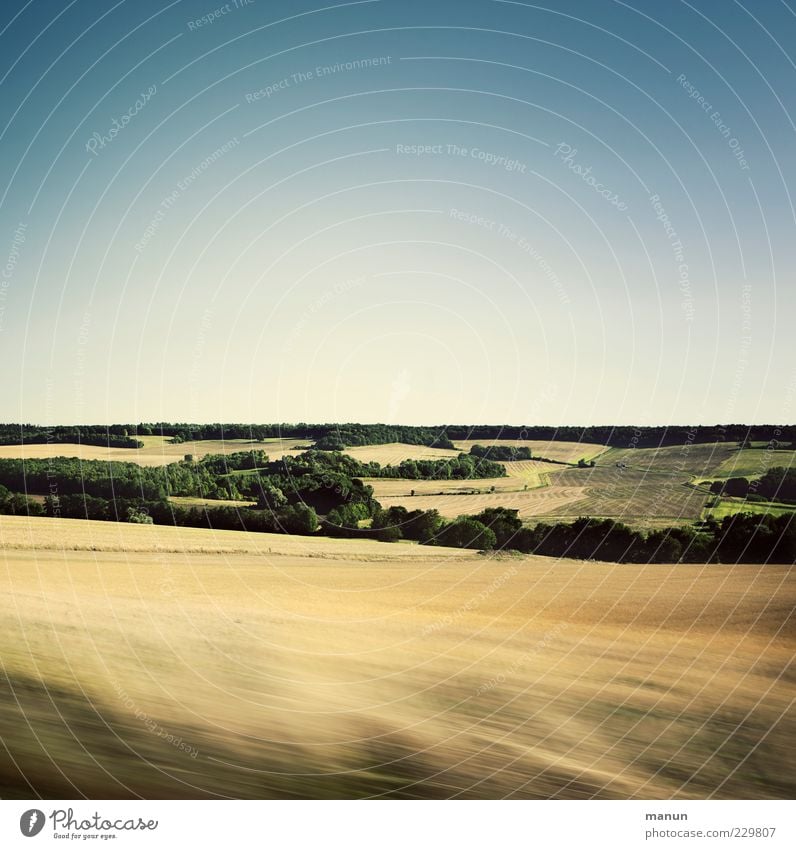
<point>258,666</point>
<point>630,494</point>
<point>637,497</point>
<point>699,460</point>
<point>521,474</point>
<point>157,451</point>
<point>195,501</point>
<point>643,487</point>
<point>539,502</point>
<point>566,452</point>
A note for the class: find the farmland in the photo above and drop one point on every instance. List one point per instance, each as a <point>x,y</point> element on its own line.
<point>640,486</point>
<point>644,487</point>
<point>562,451</point>
<point>157,451</point>
<point>174,662</point>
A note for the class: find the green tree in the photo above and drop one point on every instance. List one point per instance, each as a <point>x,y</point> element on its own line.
<point>467,532</point>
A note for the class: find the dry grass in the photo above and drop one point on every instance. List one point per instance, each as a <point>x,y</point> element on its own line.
<point>414,673</point>
<point>156,451</point>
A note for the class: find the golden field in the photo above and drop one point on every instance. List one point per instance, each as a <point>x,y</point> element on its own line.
<point>173,662</point>
<point>642,487</point>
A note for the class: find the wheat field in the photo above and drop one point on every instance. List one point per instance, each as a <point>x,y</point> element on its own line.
<point>172,662</point>
<point>157,451</point>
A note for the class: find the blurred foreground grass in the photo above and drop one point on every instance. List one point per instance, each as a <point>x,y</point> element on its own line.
<point>197,664</point>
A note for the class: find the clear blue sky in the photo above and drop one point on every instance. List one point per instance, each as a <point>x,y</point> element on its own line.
<point>571,212</point>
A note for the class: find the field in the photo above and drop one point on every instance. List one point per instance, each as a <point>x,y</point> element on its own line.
<point>644,487</point>
<point>754,462</point>
<point>565,452</point>
<point>173,662</point>
<point>731,506</point>
<point>392,453</point>
<point>699,460</point>
<point>157,451</point>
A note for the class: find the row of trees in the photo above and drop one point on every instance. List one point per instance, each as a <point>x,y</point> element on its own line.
<point>33,435</point>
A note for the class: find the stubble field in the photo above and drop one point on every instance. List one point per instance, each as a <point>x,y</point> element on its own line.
<point>173,662</point>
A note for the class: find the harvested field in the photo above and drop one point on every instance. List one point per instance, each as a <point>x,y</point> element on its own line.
<point>521,474</point>
<point>68,535</point>
<point>629,494</point>
<point>392,453</point>
<point>732,506</point>
<point>156,451</point>
<point>542,501</point>
<point>754,462</point>
<point>195,501</point>
<point>697,460</point>
<point>566,452</point>
<point>419,673</point>
<point>635,496</point>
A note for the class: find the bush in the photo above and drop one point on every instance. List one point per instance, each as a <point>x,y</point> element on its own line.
<point>466,532</point>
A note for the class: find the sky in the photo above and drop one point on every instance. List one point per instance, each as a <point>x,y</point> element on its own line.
<point>571,212</point>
